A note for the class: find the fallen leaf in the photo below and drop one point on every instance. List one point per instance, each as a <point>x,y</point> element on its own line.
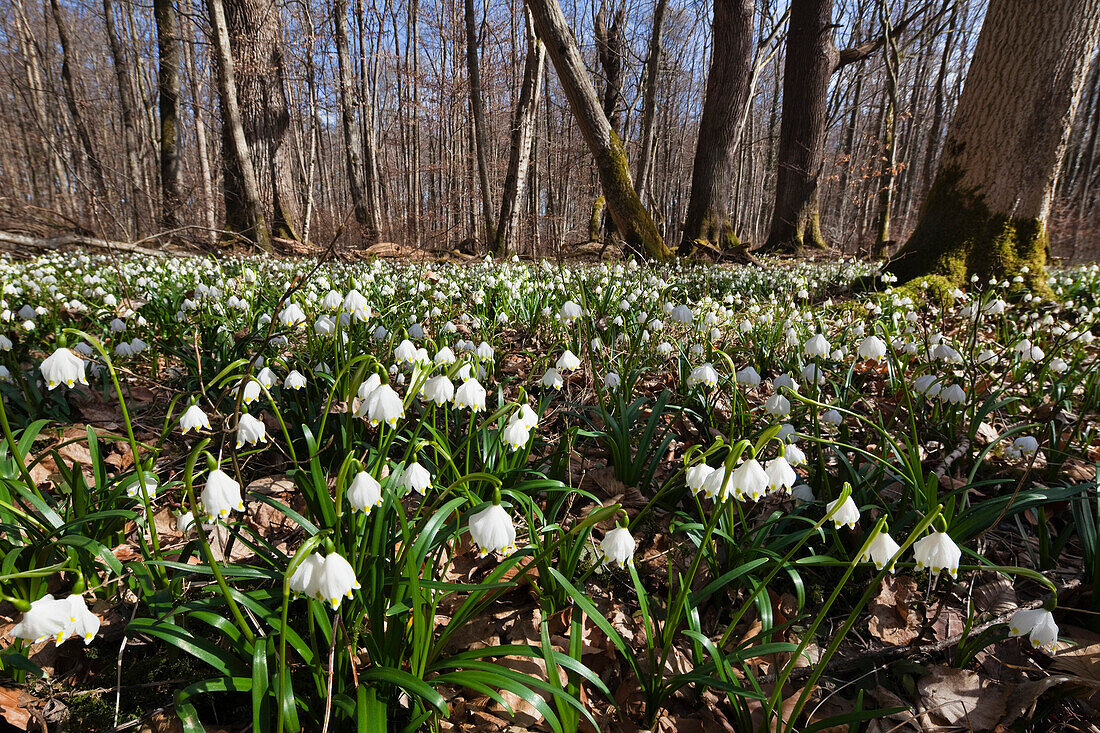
<point>892,620</point>
<point>961,698</point>
<point>11,707</point>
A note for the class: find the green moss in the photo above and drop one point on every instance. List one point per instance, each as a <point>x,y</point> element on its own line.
<point>596,219</point>
<point>934,288</point>
<point>634,223</point>
<point>957,236</point>
<point>90,712</point>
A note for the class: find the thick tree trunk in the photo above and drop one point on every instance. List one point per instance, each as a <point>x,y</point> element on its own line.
<point>365,214</point>
<point>130,141</point>
<point>986,212</point>
<point>477,108</point>
<point>244,213</point>
<point>523,135</point>
<point>169,44</point>
<point>719,126</point>
<point>610,41</point>
<point>631,219</point>
<point>811,59</point>
<point>649,98</point>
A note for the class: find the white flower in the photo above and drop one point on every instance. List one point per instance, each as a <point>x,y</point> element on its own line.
<point>570,311</point>
<point>784,380</point>
<point>47,618</point>
<point>812,375</point>
<point>953,394</point>
<point>664,348</point>
<point>1058,365</point>
<point>716,486</point>
<point>749,480</point>
<point>221,495</point>
<point>267,378</point>
<point>802,493</point>
<point>568,361</point>
<point>332,301</point>
<point>794,455</point>
<point>439,389</point>
<point>552,378</point>
<point>748,376</point>
<point>5,343</point>
<point>383,404</point>
<point>185,522</point>
<point>415,478</point>
<point>291,316</point>
<point>492,530</point>
<point>1038,624</point>
<point>305,576</point>
<point>335,580</point>
<point>471,394</point>
<point>365,493</point>
<point>525,415</point>
<point>611,380</point>
<point>148,480</point>
<point>324,325</point>
<point>682,314</point>
<point>251,391</point>
<point>872,347</point>
<point>63,367</point>
<point>194,418</point>
<point>250,430</point>
<point>780,474</point>
<point>405,353</point>
<point>832,417</point>
<point>938,552</point>
<point>1023,447</point>
<point>881,551</point>
<point>618,547</point>
<point>515,435</point>
<point>444,357</point>
<point>846,513</point>
<point>295,380</point>
<point>357,305</point>
<point>703,374</point>
<point>696,476</point>
<point>817,346</point>
<point>778,406</point>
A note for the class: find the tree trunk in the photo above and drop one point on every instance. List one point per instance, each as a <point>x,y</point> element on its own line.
<point>649,98</point>
<point>986,212</point>
<point>631,219</point>
<point>811,59</point>
<point>477,109</point>
<point>365,214</point>
<point>130,140</point>
<point>719,126</point>
<point>244,213</point>
<point>168,94</point>
<point>610,40</point>
<point>523,135</point>
<point>371,184</point>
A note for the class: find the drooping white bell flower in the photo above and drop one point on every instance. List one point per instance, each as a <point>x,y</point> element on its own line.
<point>384,405</point>
<point>568,361</point>
<point>1022,447</point>
<point>324,326</point>
<point>445,357</point>
<point>748,377</point>
<point>749,480</point>
<point>515,435</point>
<point>937,552</point>
<point>846,513</point>
<point>292,316</point>
<point>570,312</point>
<point>148,480</point>
<point>470,395</point>
<point>306,575</point>
<point>696,476</point>
<point>47,618</point>
<point>524,414</point>
<point>682,314</point>
<point>332,301</point>
<point>492,530</point>
<point>439,389</point>
<point>1038,624</point>
<point>881,551</point>
<point>295,380</point>
<point>250,391</point>
<point>812,375</point>
<point>780,474</point>
<point>817,345</point>
<point>953,394</point>
<point>611,380</point>
<point>618,547</point>
<point>267,378</point>
<point>832,417</point>
<point>336,580</point>
<point>5,343</point>
<point>63,367</point>
<point>704,374</point>
<point>365,493</point>
<point>250,430</point>
<point>778,406</point>
<point>367,386</point>
<point>552,378</point>
<point>221,495</point>
<point>194,418</point>
<point>485,352</point>
<point>873,348</point>
<point>415,478</point>
<point>356,305</point>
<point>794,455</point>
<point>716,486</point>
<point>664,348</point>
<point>405,353</point>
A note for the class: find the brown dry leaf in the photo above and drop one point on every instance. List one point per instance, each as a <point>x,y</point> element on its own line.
<point>900,722</point>
<point>1082,662</point>
<point>996,596</point>
<point>962,699</point>
<point>892,620</point>
<point>11,707</point>
<point>1026,694</point>
<point>1079,471</point>
<point>985,434</point>
<point>270,485</point>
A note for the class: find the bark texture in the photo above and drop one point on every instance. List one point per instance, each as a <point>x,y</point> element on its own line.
<point>169,45</point>
<point>727,93</point>
<point>365,214</point>
<point>631,219</point>
<point>987,209</point>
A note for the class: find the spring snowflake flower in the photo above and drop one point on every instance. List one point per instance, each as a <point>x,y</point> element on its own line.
<point>324,326</point>
<point>332,300</point>
<point>194,418</point>
<point>356,305</point>
<point>812,375</point>
<point>618,547</point>
<point>405,353</point>
<point>1028,352</point>
<point>365,493</point>
<point>846,513</point>
<point>832,417</point>
<point>927,385</point>
<point>704,374</point>
<point>492,530</point>
<point>872,347</point>
<point>938,552</point>
<point>305,576</point>
<point>1058,365</point>
<point>570,311</point>
<point>445,357</point>
<point>515,435</point>
<point>568,361</point>
<point>696,477</point>
<point>682,314</point>
<point>954,394</point>
<point>439,389</point>
<point>552,378</point>
<point>664,348</point>
<point>292,316</point>
<point>57,618</point>
<point>1038,624</point>
<point>748,377</point>
<point>525,415</point>
<point>717,484</point>
<point>148,480</point>
<point>881,551</point>
<point>250,430</point>
<point>784,380</point>
<point>335,580</point>
<point>221,495</point>
<point>778,406</point>
<point>295,380</point>
<point>5,343</point>
<point>780,474</point>
<point>749,480</point>
<point>816,345</point>
<point>611,380</point>
<point>471,394</point>
<point>250,391</point>
<point>1023,447</point>
<point>415,478</point>
<point>63,367</point>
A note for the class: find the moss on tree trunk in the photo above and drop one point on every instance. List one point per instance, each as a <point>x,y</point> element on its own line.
<point>957,236</point>
<point>631,218</point>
